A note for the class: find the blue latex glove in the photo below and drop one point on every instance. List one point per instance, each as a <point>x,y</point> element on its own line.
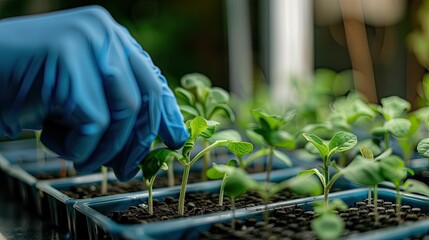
<point>81,77</point>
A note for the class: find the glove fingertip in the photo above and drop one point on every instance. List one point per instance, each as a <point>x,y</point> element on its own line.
<point>125,175</point>
<point>177,137</point>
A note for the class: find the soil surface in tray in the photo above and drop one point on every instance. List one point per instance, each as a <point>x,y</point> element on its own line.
<point>93,190</point>
<point>294,222</point>
<point>195,204</point>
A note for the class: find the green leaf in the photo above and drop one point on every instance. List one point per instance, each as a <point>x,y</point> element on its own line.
<point>328,226</point>
<point>232,163</point>
<point>398,126</point>
<point>221,107</point>
<point>282,157</point>
<point>305,185</point>
<point>393,169</point>
<point>342,141</point>
<point>394,107</point>
<point>313,171</point>
<point>219,95</point>
<point>423,147</point>
<point>194,80</point>
<point>211,128</point>
<point>422,114</point>
<point>280,139</point>
<point>155,160</point>
<point>364,172</point>
<point>189,110</point>
<point>360,109</point>
<point>267,122</point>
<point>164,166</point>
<point>255,138</point>
<point>238,182</point>
<point>219,171</point>
<point>384,154</point>
<point>184,97</point>
<point>318,143</point>
<point>214,173</point>
<point>339,121</point>
<point>414,186</point>
<point>229,134</point>
<point>240,148</point>
<point>197,126</point>
<point>366,153</point>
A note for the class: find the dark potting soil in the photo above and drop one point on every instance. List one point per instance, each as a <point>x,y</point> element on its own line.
<point>294,223</point>
<point>195,204</point>
<point>93,190</point>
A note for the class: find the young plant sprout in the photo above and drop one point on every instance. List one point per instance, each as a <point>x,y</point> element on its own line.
<point>393,110</point>
<point>393,169</point>
<point>270,127</point>
<point>365,170</point>
<point>39,146</point>
<point>214,173</point>
<point>370,171</point>
<point>103,188</point>
<point>239,182</point>
<point>197,127</point>
<point>327,224</point>
<point>340,142</point>
<point>197,97</point>
<point>154,161</point>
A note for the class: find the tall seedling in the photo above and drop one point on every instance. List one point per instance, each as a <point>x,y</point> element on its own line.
<point>197,97</point>
<point>270,127</point>
<point>239,182</point>
<point>216,171</point>
<point>365,170</point>
<point>154,161</point>
<point>197,127</point>
<point>393,110</point>
<point>340,142</point>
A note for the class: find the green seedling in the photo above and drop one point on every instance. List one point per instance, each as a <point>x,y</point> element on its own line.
<point>408,143</point>
<point>344,113</point>
<point>39,146</point>
<point>197,97</point>
<point>270,128</point>
<point>104,182</point>
<point>393,109</point>
<point>239,182</point>
<point>327,224</point>
<point>197,127</point>
<point>315,97</point>
<point>370,171</point>
<point>154,161</point>
<point>340,142</point>
<point>365,170</point>
<point>393,169</point>
<point>216,173</point>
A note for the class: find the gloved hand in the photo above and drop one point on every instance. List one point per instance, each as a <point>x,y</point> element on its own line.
<point>81,77</point>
